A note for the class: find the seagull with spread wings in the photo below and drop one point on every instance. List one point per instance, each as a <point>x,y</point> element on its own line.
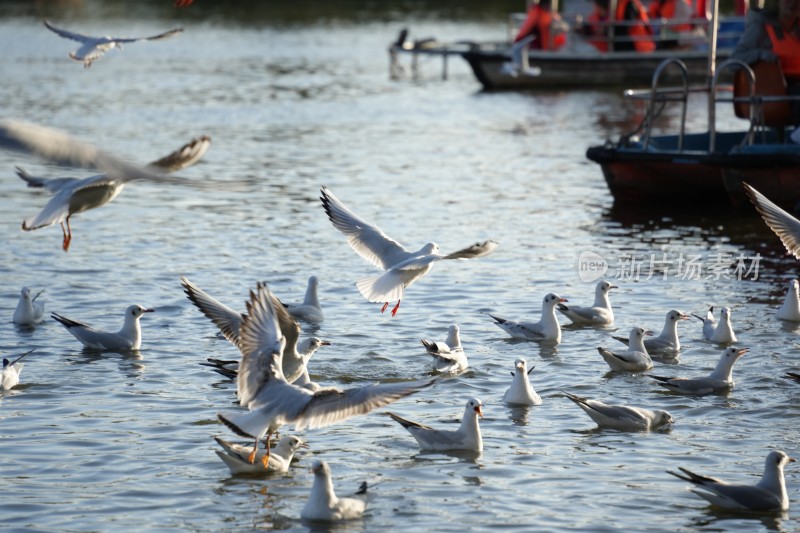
<point>93,48</point>
<point>402,267</point>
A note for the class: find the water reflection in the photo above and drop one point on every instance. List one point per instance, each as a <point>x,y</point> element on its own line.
<point>748,520</point>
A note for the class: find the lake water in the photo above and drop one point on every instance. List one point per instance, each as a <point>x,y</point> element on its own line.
<point>94,442</point>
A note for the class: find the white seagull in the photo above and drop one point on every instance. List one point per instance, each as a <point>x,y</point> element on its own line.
<point>272,401</point>
<point>720,380</point>
<point>521,392</point>
<point>448,356</point>
<point>126,339</point>
<point>75,195</point>
<point>599,314</point>
<point>323,504</point>
<point>709,323</point>
<point>466,437</point>
<point>723,333</point>
<point>636,359</point>
<point>622,416</point>
<point>235,456</point>
<point>29,312</point>
<point>295,354</point>
<point>9,376</point>
<point>93,48</point>
<point>785,226</point>
<point>790,310</point>
<point>768,495</point>
<point>546,329</point>
<point>309,311</point>
<point>667,341</point>
<point>402,267</point>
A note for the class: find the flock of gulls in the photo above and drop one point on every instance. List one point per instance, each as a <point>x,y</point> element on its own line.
<point>273,385</point>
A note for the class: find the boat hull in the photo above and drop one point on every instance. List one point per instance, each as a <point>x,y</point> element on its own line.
<point>562,70</point>
<point>692,176</point>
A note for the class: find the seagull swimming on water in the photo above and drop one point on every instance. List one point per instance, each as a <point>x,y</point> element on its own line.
<point>310,310</point>
<point>402,267</point>
<point>126,339</point>
<point>622,416</point>
<point>466,437</point>
<point>75,195</point>
<point>29,312</point>
<point>636,359</point>
<point>323,504</point>
<point>768,495</point>
<point>720,380</point>
<point>709,323</point>
<point>272,401</point>
<point>93,48</point>
<point>667,341</point>
<point>790,309</point>
<point>599,314</point>
<point>521,392</point>
<point>546,329</point>
<point>235,456</point>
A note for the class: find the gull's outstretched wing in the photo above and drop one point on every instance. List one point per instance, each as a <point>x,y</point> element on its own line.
<point>785,226</point>
<point>68,34</point>
<point>367,240</point>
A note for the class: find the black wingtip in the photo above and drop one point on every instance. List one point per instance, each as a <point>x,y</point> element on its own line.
<point>362,489</point>
<point>233,427</point>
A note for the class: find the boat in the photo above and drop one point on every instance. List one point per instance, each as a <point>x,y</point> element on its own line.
<point>504,65</point>
<point>708,167</point>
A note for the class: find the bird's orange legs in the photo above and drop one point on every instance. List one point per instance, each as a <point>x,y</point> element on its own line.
<point>67,236</point>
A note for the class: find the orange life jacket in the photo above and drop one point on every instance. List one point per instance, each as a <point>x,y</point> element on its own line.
<point>787,49</point>
<point>538,23</point>
<point>665,9</point>
<point>640,31</point>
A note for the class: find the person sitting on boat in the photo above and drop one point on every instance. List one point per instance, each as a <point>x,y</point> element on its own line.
<point>539,23</point>
<point>634,35</point>
<point>771,35</point>
<point>663,13</point>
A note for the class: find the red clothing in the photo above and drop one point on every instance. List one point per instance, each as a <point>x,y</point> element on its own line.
<point>538,23</point>
<point>665,9</point>
<point>640,32</point>
<point>787,48</point>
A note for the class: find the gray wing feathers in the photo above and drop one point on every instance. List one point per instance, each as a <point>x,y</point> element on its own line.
<point>366,239</point>
<point>785,226</point>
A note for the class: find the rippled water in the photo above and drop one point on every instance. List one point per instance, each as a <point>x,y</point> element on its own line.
<point>100,441</point>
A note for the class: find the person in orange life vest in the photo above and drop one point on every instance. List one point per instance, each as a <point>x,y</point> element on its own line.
<point>538,23</point>
<point>774,35</point>
<point>668,10</point>
<point>630,37</point>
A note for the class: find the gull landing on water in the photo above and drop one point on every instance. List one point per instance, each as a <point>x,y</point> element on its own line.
<point>402,267</point>
<point>93,48</point>
<point>272,401</point>
<point>73,195</point>
<point>324,505</point>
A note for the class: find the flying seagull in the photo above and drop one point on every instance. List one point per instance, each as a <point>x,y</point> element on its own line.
<point>93,48</point>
